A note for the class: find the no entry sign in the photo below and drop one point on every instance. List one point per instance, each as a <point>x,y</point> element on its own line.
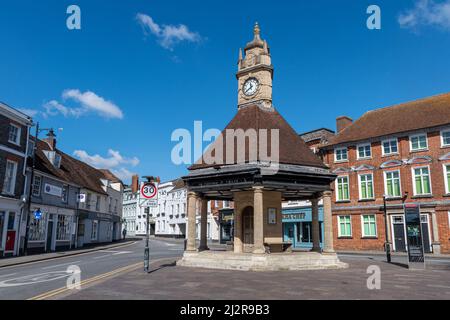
<point>149,190</point>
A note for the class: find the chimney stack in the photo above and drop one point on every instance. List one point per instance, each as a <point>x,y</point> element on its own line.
<point>51,139</point>
<point>343,122</point>
<point>134,183</point>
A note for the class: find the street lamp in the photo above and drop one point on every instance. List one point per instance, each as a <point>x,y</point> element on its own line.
<point>387,244</point>
<point>30,190</point>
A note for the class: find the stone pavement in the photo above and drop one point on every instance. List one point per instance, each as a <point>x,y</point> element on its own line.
<point>13,261</point>
<point>170,282</point>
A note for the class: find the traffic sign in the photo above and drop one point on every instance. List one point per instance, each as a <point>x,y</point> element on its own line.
<point>37,214</point>
<point>149,190</point>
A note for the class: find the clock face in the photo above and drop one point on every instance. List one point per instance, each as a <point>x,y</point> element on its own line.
<point>250,86</point>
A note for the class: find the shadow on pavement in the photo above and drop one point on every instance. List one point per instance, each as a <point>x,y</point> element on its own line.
<point>166,265</point>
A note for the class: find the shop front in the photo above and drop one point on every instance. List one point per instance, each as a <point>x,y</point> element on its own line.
<point>52,230</point>
<point>297,226</point>
<point>9,224</point>
<point>95,227</point>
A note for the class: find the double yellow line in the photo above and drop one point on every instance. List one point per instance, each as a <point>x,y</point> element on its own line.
<point>55,292</point>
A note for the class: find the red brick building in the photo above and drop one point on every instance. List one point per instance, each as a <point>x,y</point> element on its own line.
<point>402,152</point>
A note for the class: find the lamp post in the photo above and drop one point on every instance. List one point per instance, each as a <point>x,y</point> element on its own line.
<point>30,190</point>
<point>387,244</point>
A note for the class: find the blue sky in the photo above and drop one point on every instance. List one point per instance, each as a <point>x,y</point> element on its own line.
<point>119,89</point>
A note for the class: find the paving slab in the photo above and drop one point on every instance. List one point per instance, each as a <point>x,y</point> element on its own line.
<point>170,282</point>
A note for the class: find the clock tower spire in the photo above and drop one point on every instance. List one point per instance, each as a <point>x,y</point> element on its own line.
<point>255,73</point>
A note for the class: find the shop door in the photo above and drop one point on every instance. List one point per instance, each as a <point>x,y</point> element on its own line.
<point>10,233</point>
<point>425,233</point>
<point>399,233</point>
<point>247,228</point>
<point>289,233</point>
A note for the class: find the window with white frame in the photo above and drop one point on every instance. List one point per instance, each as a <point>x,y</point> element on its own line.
<point>37,183</point>
<point>37,227</point>
<point>418,142</point>
<point>369,225</point>
<point>94,231</point>
<point>345,226</point>
<point>390,147</point>
<point>97,203</point>
<point>9,183</point>
<point>392,183</point>
<point>366,186</point>
<point>364,151</point>
<point>342,189</point>
<point>14,134</point>
<point>447,178</point>
<point>421,183</point>
<point>449,219</point>
<point>340,154</point>
<point>445,138</point>
<point>63,227</point>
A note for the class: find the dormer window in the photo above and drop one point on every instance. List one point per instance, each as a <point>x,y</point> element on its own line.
<point>53,157</point>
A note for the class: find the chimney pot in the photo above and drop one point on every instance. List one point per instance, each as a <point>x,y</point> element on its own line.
<point>134,183</point>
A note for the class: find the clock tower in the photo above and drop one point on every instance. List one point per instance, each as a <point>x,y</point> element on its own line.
<point>255,73</point>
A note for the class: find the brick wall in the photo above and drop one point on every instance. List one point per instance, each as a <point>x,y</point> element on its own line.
<point>356,207</point>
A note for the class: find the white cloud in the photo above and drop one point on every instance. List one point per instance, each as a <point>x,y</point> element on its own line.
<point>114,162</point>
<point>123,174</point>
<point>92,102</point>
<point>168,35</point>
<point>53,107</point>
<point>427,13</point>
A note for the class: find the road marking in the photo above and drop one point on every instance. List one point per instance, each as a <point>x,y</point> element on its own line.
<point>59,291</point>
<point>60,265</point>
<point>438,286</point>
<point>62,257</point>
<point>101,257</point>
<point>7,275</point>
<point>115,252</point>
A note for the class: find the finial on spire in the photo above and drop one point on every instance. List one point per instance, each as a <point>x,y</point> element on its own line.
<point>256,29</point>
<point>266,48</point>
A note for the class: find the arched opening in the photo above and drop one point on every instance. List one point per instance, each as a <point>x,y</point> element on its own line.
<point>247,228</point>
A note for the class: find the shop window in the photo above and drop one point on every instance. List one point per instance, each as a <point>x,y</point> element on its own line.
<point>37,228</point>
<point>2,222</point>
<point>63,227</point>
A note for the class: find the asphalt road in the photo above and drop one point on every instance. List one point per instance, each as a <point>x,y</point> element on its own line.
<point>30,280</point>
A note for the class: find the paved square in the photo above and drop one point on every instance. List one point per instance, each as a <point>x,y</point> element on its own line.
<point>171,282</point>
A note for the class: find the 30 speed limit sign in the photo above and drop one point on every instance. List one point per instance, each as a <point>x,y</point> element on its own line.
<point>149,191</point>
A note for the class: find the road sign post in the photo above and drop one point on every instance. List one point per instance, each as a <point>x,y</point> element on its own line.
<point>148,198</point>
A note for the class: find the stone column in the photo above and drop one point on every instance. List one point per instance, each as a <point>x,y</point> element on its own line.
<point>258,221</point>
<point>327,223</point>
<point>237,227</point>
<point>203,225</point>
<point>191,212</point>
<point>436,242</point>
<point>315,225</point>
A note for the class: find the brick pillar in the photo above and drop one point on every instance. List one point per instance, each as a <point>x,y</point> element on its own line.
<point>203,225</point>
<point>315,225</point>
<point>327,223</point>
<point>258,221</point>
<point>436,242</point>
<point>191,212</point>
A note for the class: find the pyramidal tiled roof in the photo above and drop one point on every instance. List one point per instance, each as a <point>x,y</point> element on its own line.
<point>292,149</point>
